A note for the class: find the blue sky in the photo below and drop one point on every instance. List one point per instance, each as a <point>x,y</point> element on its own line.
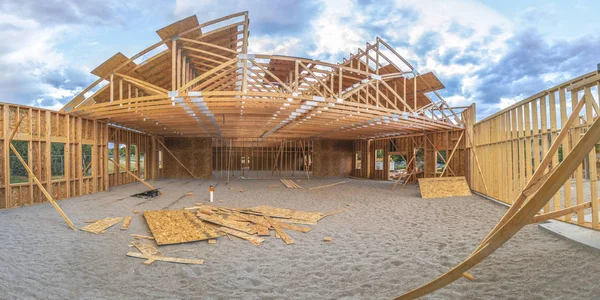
<point>489,52</point>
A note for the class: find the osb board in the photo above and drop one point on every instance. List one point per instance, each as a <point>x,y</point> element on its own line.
<point>179,27</point>
<point>195,153</point>
<point>444,187</point>
<point>112,63</point>
<point>177,226</point>
<point>102,225</point>
<point>332,158</point>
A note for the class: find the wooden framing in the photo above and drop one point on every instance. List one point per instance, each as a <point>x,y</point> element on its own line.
<point>261,96</point>
<point>550,185</point>
<point>262,158</point>
<point>540,129</point>
<point>420,152</point>
<point>40,129</point>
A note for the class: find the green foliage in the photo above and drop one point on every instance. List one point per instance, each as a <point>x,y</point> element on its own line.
<point>18,173</point>
<point>86,159</point>
<point>57,160</point>
<point>132,157</point>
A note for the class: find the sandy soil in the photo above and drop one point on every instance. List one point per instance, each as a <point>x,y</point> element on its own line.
<point>388,242</point>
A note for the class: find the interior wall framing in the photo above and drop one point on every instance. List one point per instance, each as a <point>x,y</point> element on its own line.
<point>262,158</point>
<point>144,144</point>
<point>407,146</point>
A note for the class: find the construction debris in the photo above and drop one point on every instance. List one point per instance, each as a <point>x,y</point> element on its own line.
<point>140,237</point>
<point>327,185</point>
<point>151,259</point>
<point>242,235</point>
<point>177,226</point>
<point>126,223</point>
<point>102,225</point>
<point>327,239</point>
<point>245,223</point>
<point>277,226</point>
<point>290,184</point>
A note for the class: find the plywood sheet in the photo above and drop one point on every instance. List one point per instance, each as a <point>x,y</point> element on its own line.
<point>112,63</point>
<point>177,226</point>
<point>444,187</point>
<point>179,27</point>
<point>100,226</point>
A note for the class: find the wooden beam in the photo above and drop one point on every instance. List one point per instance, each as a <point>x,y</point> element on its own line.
<point>560,213</point>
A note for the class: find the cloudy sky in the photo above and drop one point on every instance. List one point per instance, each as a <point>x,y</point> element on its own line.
<point>489,52</point>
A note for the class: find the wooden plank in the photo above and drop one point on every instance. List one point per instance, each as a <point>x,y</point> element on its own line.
<point>220,220</point>
<point>166,259</point>
<point>140,237</point>
<point>562,212</point>
<point>294,227</point>
<point>278,212</point>
<point>328,185</point>
<point>277,226</point>
<point>443,187</point>
<point>242,235</point>
<point>102,225</point>
<point>126,223</point>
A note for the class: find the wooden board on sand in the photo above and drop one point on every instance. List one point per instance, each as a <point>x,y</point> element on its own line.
<point>177,226</point>
<point>444,187</point>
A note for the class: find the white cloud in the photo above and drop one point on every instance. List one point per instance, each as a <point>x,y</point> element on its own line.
<point>268,45</point>
<point>334,33</point>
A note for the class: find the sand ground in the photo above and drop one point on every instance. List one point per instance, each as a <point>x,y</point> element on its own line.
<point>387,242</point>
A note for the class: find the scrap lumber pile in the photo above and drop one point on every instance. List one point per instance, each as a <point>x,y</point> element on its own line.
<point>204,222</point>
<point>290,184</point>
<point>207,222</point>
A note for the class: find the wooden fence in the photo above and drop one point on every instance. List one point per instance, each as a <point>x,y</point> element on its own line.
<point>512,143</point>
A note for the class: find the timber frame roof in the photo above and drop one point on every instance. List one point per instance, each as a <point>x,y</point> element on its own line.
<point>200,80</point>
